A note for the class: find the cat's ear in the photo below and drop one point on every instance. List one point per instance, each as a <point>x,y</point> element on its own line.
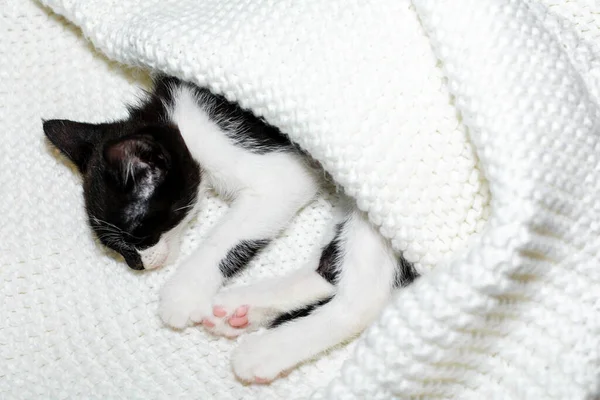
<point>76,140</point>
<point>135,157</point>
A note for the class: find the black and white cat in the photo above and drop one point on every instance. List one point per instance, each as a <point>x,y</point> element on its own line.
<point>143,177</point>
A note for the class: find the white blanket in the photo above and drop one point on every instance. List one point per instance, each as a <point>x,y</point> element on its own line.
<point>388,96</point>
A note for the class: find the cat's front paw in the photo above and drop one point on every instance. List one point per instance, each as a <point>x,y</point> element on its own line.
<point>182,302</point>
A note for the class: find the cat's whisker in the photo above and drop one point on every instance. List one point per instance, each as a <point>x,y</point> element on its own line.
<point>101,224</point>
<point>106,224</point>
<point>191,205</point>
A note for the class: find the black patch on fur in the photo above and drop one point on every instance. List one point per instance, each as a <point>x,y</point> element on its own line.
<point>331,257</point>
<point>76,140</point>
<point>242,127</point>
<point>238,257</point>
<point>253,133</point>
<point>298,313</point>
<point>405,273</point>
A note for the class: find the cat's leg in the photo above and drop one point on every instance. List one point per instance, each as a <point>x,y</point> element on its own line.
<point>365,283</point>
<point>271,302</point>
<point>246,308</point>
<point>252,221</point>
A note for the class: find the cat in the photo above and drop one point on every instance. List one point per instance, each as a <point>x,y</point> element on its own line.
<point>143,177</point>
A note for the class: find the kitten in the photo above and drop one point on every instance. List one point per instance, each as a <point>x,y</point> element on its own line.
<point>142,179</point>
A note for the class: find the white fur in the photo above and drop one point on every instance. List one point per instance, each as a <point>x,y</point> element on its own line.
<point>271,297</point>
<point>364,287</point>
<point>266,191</point>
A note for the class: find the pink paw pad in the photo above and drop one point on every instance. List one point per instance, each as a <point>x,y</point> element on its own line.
<point>261,380</point>
<point>241,311</point>
<point>219,311</point>
<point>239,318</point>
<point>208,323</point>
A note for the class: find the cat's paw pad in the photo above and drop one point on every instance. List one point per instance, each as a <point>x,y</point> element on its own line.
<point>231,318</point>
<point>238,318</point>
<point>230,324</point>
<point>257,361</point>
<point>182,304</point>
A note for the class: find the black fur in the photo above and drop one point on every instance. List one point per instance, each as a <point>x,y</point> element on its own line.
<point>138,175</point>
<point>331,257</point>
<point>254,135</point>
<point>258,136</point>
<point>299,313</point>
<point>238,257</point>
<point>405,273</point>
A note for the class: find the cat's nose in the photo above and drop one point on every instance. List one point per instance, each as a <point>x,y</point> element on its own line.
<point>134,261</point>
<point>136,266</point>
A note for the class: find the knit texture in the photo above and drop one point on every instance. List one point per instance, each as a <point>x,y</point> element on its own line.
<point>395,99</point>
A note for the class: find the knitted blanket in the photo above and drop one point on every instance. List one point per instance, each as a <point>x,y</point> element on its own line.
<point>422,111</point>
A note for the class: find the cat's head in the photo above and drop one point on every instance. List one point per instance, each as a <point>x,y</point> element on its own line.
<point>140,184</point>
